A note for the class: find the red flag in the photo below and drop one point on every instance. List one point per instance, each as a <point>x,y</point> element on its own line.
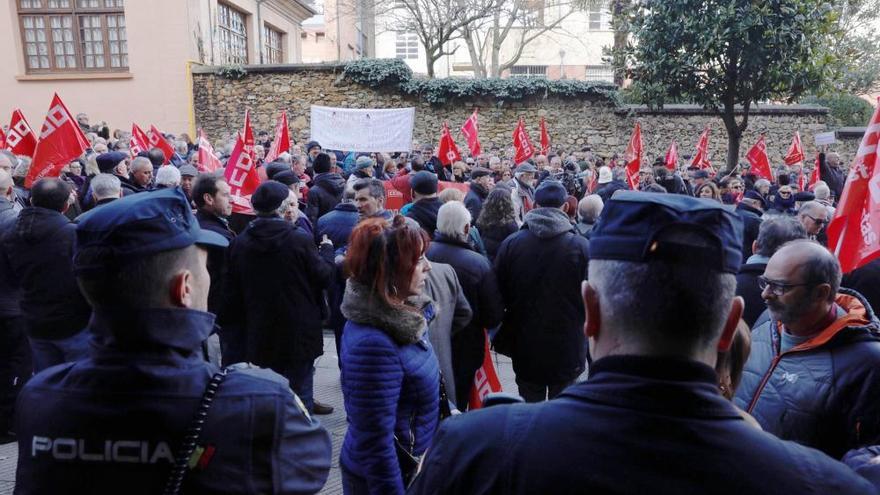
<point>795,150</point>
<point>2,139</point>
<point>854,232</point>
<point>447,152</point>
<point>61,141</point>
<point>247,135</point>
<point>522,143</point>
<point>157,140</point>
<point>485,379</point>
<point>701,157</point>
<point>241,174</point>
<point>208,161</point>
<point>545,138</point>
<point>814,177</point>
<point>281,143</point>
<point>139,141</point>
<point>757,157</point>
<point>471,132</point>
<point>21,139</point>
<point>633,157</point>
<point>672,156</point>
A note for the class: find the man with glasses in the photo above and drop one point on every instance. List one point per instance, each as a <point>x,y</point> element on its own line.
<point>812,375</point>
<point>813,215</point>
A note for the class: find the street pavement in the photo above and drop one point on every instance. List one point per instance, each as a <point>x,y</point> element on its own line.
<point>327,390</point>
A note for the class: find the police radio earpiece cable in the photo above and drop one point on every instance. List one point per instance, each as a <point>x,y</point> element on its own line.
<point>181,461</point>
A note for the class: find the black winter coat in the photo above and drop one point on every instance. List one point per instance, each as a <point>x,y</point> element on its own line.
<point>39,255</point>
<point>540,270</point>
<point>834,177</point>
<point>274,294</point>
<point>9,291</point>
<point>216,258</point>
<point>425,212</point>
<point>338,224</point>
<point>325,192</point>
<point>607,190</point>
<point>494,236</point>
<point>751,218</point>
<point>866,281</point>
<point>473,201</point>
<point>747,287</point>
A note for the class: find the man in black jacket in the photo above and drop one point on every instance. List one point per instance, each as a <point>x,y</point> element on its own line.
<point>426,204</point>
<point>326,189</point>
<point>539,271</point>
<point>212,199</point>
<point>750,211</point>
<point>480,287</point>
<point>480,187</point>
<point>829,171</point>
<point>38,254</point>
<point>773,233</point>
<point>274,292</point>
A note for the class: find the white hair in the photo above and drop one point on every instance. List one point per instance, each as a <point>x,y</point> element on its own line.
<point>590,208</point>
<point>494,160</point>
<point>168,176</point>
<point>181,147</point>
<point>452,219</point>
<point>822,191</point>
<point>286,158</point>
<point>105,186</point>
<point>140,162</point>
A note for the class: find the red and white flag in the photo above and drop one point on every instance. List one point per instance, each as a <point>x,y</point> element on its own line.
<point>815,176</point>
<point>2,139</point>
<point>701,157</point>
<point>61,141</point>
<point>281,143</point>
<point>807,185</point>
<point>485,379</point>
<point>854,232</point>
<point>545,138</point>
<point>157,140</point>
<point>20,138</point>
<point>447,151</point>
<point>757,157</point>
<point>671,160</point>
<point>247,136</point>
<point>795,151</point>
<point>521,143</point>
<point>208,161</point>
<point>633,157</point>
<point>241,175</point>
<point>471,131</point>
<point>139,141</point>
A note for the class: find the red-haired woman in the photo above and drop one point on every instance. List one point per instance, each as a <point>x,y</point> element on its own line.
<point>390,375</point>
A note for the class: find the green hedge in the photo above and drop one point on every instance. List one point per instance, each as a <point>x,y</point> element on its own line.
<point>395,74</point>
<point>847,110</point>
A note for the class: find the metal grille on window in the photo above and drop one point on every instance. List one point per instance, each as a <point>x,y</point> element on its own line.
<point>599,73</point>
<point>528,71</point>
<point>232,35</point>
<point>407,46</point>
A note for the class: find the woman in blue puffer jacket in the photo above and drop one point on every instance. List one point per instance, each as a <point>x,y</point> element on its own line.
<point>390,375</point>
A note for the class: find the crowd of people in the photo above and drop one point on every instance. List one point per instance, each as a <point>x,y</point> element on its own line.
<point>152,336</point>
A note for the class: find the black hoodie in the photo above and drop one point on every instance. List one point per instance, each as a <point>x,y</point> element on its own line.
<point>325,193</point>
<point>39,255</point>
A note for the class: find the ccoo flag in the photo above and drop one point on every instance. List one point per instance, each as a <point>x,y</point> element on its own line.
<point>633,157</point>
<point>61,141</point>
<point>281,143</point>
<point>521,143</point>
<point>471,132</point>
<point>20,138</point>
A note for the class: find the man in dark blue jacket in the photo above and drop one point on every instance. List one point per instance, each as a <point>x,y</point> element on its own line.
<point>813,375</point>
<point>539,271</point>
<point>116,420</point>
<point>451,246</point>
<point>38,253</point>
<point>650,419</point>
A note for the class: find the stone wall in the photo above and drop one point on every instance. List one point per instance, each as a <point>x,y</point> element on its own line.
<point>220,105</point>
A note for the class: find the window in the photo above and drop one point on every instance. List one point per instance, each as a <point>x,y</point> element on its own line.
<point>319,37</point>
<point>232,35</point>
<point>274,52</point>
<point>533,13</point>
<point>604,73</point>
<point>73,35</point>
<point>407,46</point>
<point>528,71</point>
<point>599,18</point>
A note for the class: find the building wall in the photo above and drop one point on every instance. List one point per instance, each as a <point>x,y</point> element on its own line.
<point>341,22</point>
<point>164,38</point>
<point>572,122</point>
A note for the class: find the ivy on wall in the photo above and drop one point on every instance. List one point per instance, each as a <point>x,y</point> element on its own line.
<point>396,75</point>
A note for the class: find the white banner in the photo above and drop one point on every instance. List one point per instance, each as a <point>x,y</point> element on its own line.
<point>373,129</point>
<point>825,138</point>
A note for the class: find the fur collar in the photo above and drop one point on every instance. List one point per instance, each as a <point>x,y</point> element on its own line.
<point>405,326</point>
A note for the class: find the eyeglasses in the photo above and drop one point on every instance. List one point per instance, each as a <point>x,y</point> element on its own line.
<point>819,221</point>
<point>777,288</point>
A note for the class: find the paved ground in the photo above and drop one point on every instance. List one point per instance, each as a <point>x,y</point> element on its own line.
<point>327,390</point>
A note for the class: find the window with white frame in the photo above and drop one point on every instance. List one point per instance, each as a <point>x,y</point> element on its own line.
<point>599,73</point>
<point>599,17</point>
<point>273,49</point>
<point>528,71</point>
<point>407,46</point>
<point>232,35</point>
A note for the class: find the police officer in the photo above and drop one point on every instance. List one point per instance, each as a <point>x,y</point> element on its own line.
<point>650,419</point>
<point>115,422</point>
